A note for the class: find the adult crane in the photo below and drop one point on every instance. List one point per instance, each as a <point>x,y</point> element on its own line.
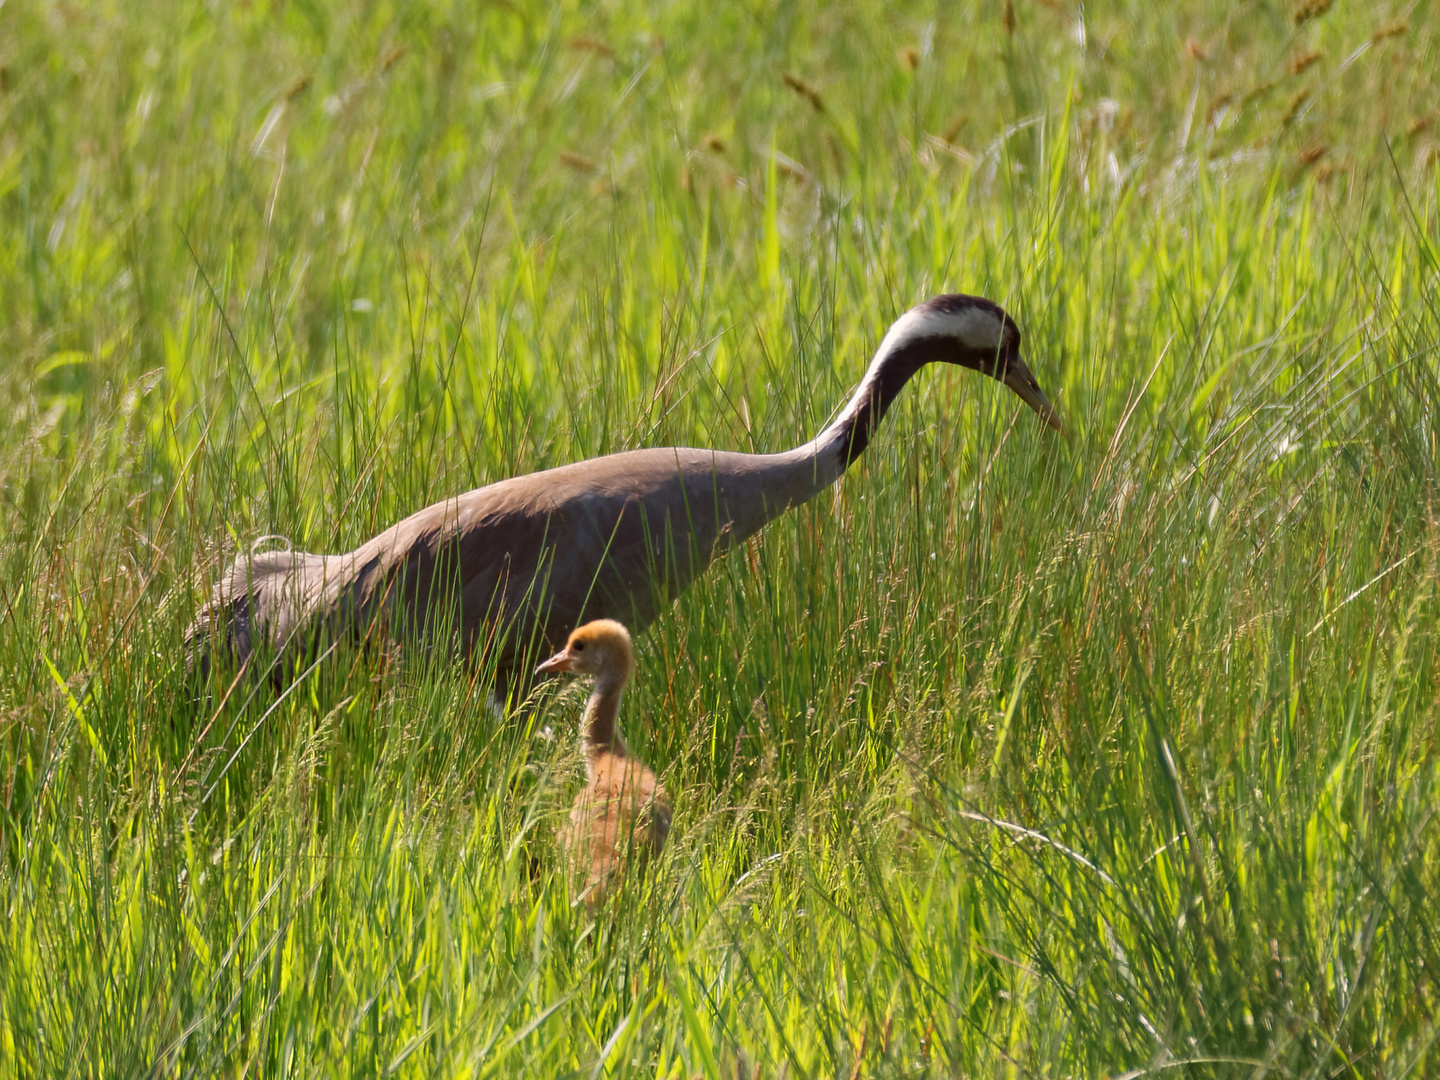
<point>508,569</point>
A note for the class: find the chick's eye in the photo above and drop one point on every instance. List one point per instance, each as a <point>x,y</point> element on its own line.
<point>579,646</point>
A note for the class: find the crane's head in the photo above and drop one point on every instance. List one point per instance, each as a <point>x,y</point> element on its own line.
<point>974,333</point>
<point>601,648</point>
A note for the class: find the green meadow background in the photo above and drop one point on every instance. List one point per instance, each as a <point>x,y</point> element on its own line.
<point>1013,756</point>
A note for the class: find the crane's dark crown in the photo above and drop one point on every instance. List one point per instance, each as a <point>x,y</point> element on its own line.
<point>958,329</point>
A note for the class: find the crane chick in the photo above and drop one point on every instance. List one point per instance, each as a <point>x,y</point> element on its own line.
<point>623,808</point>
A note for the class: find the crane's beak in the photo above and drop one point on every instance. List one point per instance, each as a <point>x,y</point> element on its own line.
<point>1019,379</point>
<point>561,661</point>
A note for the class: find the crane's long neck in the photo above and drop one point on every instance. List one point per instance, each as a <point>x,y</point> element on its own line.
<point>833,451</point>
<point>598,732</point>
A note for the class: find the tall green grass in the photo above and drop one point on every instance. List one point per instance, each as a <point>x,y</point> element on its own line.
<point>1013,756</point>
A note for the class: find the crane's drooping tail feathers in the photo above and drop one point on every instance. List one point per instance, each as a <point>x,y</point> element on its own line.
<point>247,597</point>
<point>287,601</point>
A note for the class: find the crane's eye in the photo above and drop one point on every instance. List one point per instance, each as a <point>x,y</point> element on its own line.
<point>579,646</point>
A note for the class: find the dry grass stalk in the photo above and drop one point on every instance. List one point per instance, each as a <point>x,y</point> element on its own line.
<point>805,90</point>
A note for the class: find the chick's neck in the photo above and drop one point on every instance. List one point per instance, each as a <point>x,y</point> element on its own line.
<point>598,732</point>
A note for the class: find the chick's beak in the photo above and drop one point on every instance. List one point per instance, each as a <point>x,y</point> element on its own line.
<point>1019,379</point>
<point>561,661</point>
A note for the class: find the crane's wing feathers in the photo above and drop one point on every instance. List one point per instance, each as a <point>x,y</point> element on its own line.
<point>615,536</point>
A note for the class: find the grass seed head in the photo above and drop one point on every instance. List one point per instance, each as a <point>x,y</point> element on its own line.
<point>1390,30</point>
<point>1257,92</point>
<point>578,162</point>
<point>1311,9</point>
<point>1304,60</point>
<point>1292,109</point>
<point>805,90</point>
<point>584,43</point>
<point>790,169</point>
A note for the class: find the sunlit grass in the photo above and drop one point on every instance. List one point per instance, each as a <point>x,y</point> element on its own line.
<point>1011,756</point>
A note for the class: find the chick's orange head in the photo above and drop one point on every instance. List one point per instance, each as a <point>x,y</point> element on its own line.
<point>599,647</point>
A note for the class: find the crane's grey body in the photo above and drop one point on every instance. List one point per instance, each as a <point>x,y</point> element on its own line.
<point>509,569</point>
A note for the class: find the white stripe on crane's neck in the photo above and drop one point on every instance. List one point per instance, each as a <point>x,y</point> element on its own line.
<point>937,329</point>
<point>975,325</point>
